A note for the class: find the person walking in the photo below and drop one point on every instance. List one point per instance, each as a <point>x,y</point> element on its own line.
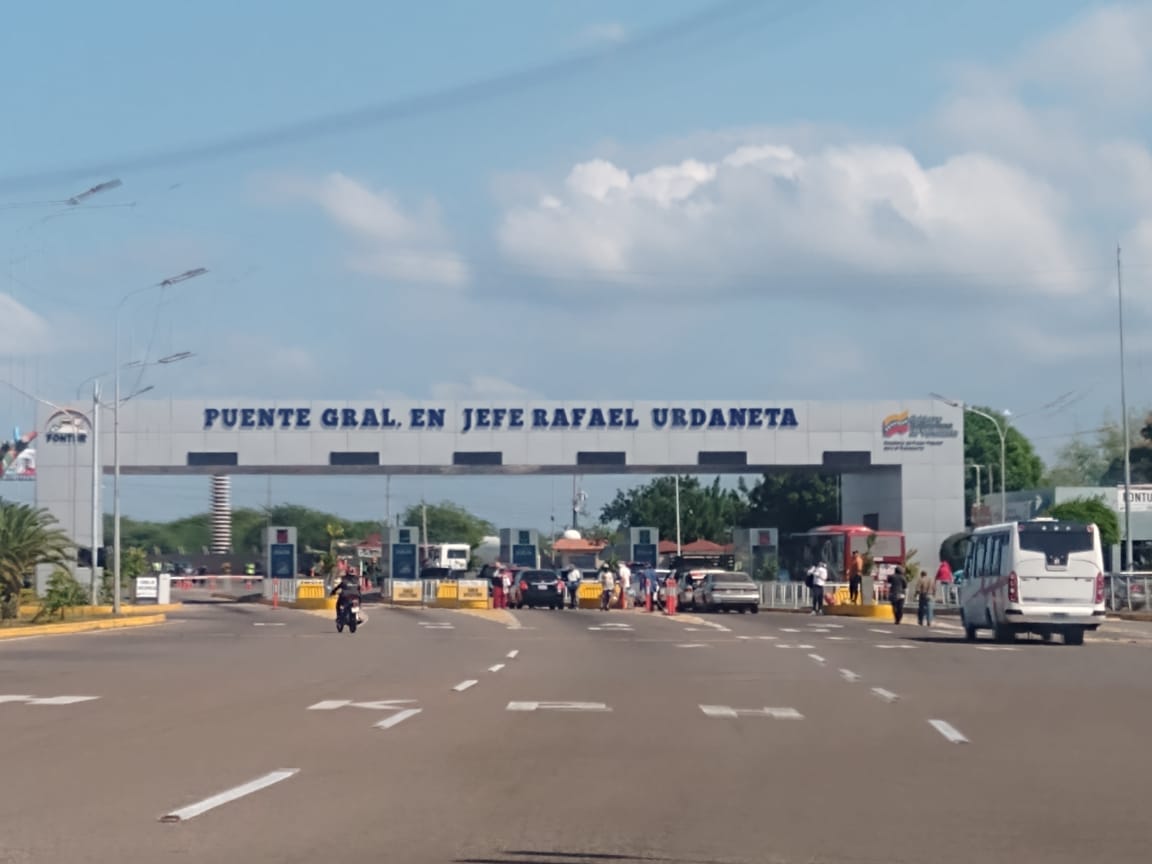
<point>897,592</point>
<point>925,599</point>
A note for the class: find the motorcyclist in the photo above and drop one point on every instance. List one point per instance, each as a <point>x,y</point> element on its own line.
<point>346,589</point>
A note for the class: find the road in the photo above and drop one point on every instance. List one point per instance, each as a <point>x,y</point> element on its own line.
<point>883,743</point>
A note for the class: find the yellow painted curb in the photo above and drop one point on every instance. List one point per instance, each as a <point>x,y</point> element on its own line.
<point>82,626</point>
<point>30,610</point>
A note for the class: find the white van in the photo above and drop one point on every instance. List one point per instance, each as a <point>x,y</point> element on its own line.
<point>1042,576</point>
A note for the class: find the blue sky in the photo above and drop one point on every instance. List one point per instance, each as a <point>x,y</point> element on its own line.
<point>833,199</point>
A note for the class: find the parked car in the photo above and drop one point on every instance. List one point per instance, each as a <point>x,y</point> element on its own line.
<point>534,588</point>
<point>725,591</point>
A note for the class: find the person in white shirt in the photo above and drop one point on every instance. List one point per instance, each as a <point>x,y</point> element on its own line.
<point>574,577</point>
<point>819,578</point>
<point>625,575</point>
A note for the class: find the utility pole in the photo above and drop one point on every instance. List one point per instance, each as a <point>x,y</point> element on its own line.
<point>1124,418</point>
<point>96,514</point>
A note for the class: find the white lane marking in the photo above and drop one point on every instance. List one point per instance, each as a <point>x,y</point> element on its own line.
<point>496,668</point>
<point>729,713</point>
<point>228,796</point>
<point>805,647</point>
<point>878,630</point>
<point>948,731</point>
<point>617,624</point>
<point>47,700</point>
<point>830,626</point>
<point>789,630</point>
<point>697,630</point>
<point>783,645</point>
<point>895,646</point>
<point>819,630</point>
<point>767,638</point>
<point>267,623</point>
<point>511,655</point>
<point>996,648</point>
<point>464,685</point>
<point>440,626</point>
<point>839,638</point>
<point>557,706</point>
<point>62,700</point>
<point>886,695</point>
<point>849,675</point>
<point>817,658</point>
<point>397,718</point>
<point>329,704</point>
<point>692,645</point>
<point>383,705</point>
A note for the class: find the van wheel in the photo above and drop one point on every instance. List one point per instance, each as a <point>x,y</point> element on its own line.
<point>1074,637</point>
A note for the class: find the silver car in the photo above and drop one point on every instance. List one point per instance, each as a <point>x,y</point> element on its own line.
<point>728,591</point>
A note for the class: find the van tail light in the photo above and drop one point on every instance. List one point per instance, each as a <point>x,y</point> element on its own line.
<point>523,585</point>
<point>1013,588</point>
<point>1099,588</point>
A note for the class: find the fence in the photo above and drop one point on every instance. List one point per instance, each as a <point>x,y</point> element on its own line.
<point>1127,592</point>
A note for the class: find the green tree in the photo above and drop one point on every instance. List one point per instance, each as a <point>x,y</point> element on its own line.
<point>793,501</point>
<point>1090,511</point>
<point>982,447</point>
<point>1078,463</point>
<point>449,523</point>
<point>1139,454</point>
<point>29,536</point>
<point>706,512</point>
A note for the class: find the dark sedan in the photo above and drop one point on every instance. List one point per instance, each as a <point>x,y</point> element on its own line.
<point>534,588</point>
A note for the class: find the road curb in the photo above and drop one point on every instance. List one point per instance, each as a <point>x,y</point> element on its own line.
<point>31,609</point>
<point>82,627</point>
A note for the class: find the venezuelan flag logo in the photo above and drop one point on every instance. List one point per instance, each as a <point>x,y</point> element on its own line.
<point>895,424</point>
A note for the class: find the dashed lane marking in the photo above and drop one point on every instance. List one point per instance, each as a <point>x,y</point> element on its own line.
<point>464,685</point>
<point>948,731</point>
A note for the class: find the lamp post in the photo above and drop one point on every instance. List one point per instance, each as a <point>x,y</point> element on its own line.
<point>1003,446</point>
<point>1124,420</point>
<point>166,283</point>
<point>96,467</point>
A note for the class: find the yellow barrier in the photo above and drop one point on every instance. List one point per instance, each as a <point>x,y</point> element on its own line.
<point>877,611</point>
<point>588,597</point>
<point>310,589</point>
<point>326,603</point>
<point>407,593</point>
<point>472,594</point>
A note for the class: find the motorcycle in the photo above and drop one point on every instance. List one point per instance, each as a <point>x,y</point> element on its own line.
<point>348,614</point>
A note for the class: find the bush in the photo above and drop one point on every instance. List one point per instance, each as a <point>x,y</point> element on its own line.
<point>64,593</point>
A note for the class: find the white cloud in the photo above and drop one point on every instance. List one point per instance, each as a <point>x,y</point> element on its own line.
<point>410,246</point>
<point>767,210</point>
<point>1040,158</point>
<point>24,332</point>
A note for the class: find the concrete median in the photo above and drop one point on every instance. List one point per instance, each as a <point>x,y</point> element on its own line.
<point>32,610</point>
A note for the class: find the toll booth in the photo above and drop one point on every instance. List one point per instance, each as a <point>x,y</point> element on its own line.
<point>280,552</point>
<point>520,547</point>
<point>400,552</point>
<point>643,546</point>
<point>757,551</point>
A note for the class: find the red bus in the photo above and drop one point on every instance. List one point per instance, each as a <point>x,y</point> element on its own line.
<point>835,545</point>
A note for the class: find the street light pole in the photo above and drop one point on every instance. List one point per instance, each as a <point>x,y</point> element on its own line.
<point>1003,448</point>
<point>1124,420</point>
<point>679,550</point>
<point>95,586</point>
<point>173,280</point>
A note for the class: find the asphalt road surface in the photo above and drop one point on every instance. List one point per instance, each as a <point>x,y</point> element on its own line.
<point>264,736</point>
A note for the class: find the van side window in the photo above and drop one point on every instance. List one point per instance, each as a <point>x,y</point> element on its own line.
<point>981,556</point>
<point>994,547</point>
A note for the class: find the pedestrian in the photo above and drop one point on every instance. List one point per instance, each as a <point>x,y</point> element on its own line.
<point>897,592</point>
<point>855,575</point>
<point>819,577</point>
<point>574,586</point>
<point>925,598</point>
<point>624,572</point>
<point>607,583</point>
<point>945,577</point>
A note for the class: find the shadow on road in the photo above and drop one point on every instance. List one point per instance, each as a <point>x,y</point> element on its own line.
<point>523,856</point>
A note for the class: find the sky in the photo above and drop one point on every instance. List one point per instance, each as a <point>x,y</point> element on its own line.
<point>575,200</point>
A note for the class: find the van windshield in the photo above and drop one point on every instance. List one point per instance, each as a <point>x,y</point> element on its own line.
<point>1056,544</point>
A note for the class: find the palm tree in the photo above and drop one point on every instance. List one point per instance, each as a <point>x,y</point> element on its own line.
<point>28,536</point>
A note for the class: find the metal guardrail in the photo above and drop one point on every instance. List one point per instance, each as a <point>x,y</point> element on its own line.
<point>796,595</point>
<point>1127,592</point>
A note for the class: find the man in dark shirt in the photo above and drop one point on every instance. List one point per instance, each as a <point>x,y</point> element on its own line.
<point>897,592</point>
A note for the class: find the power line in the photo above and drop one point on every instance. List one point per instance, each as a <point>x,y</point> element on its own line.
<point>421,105</point>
